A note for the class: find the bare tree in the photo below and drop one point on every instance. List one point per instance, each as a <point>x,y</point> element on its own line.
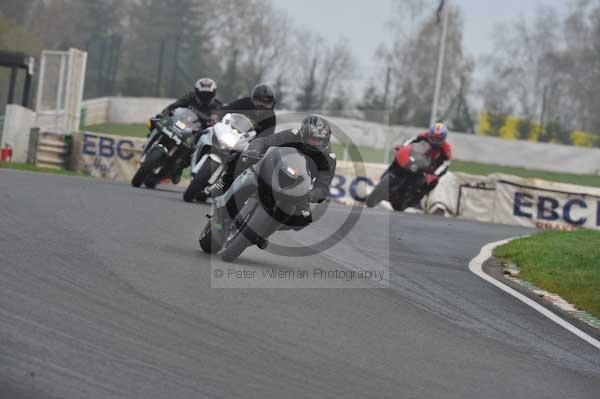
<point>412,58</point>
<point>324,70</point>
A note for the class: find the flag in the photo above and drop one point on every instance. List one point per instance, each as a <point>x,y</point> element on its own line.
<point>440,10</point>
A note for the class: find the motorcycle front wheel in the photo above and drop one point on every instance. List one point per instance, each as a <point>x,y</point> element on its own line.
<point>380,192</point>
<point>152,161</point>
<point>196,188</point>
<point>252,224</point>
<point>208,240</point>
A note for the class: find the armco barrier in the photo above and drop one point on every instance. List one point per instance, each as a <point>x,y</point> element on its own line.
<point>52,150</point>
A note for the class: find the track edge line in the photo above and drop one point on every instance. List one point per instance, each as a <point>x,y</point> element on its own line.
<point>476,267</point>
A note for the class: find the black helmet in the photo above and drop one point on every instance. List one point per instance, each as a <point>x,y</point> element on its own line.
<point>315,132</point>
<point>206,90</point>
<point>263,96</point>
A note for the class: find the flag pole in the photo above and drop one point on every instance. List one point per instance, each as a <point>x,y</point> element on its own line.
<point>441,58</point>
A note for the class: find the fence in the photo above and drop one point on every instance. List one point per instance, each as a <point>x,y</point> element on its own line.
<point>374,138</point>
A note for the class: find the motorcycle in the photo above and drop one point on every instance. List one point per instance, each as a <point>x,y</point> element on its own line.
<point>284,184</point>
<point>400,184</point>
<point>216,149</point>
<point>168,149</point>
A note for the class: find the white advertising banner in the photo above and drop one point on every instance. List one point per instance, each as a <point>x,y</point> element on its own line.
<point>107,156</point>
<point>117,158</point>
<point>546,205</point>
<point>496,198</point>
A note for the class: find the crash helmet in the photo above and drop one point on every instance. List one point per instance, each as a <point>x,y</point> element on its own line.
<point>437,135</point>
<point>315,132</point>
<point>263,96</point>
<point>205,90</point>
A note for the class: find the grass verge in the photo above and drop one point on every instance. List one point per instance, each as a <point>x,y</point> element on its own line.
<point>376,156</point>
<point>564,263</point>
<point>33,168</point>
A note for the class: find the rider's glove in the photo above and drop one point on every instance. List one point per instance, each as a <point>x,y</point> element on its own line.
<point>317,196</point>
<point>431,179</point>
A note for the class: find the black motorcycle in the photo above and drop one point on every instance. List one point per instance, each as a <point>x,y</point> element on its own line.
<point>169,148</point>
<point>284,184</point>
<point>401,182</point>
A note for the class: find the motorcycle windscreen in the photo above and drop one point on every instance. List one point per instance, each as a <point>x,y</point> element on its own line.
<point>186,120</point>
<point>241,123</point>
<point>420,156</point>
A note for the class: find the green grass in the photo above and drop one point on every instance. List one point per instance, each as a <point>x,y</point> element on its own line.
<point>133,130</point>
<point>564,263</point>
<point>486,169</point>
<point>376,156</point>
<point>33,168</point>
<point>372,155</point>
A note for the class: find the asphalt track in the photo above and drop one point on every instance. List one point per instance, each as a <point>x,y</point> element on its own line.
<point>104,294</point>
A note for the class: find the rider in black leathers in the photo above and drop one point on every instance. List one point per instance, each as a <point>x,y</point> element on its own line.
<point>259,108</point>
<point>202,100</point>
<point>313,141</point>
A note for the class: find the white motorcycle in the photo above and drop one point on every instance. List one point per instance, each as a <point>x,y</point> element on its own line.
<point>215,149</point>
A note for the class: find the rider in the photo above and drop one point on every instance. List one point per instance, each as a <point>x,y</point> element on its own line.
<point>202,100</point>
<point>259,108</point>
<point>441,155</point>
<point>313,141</point>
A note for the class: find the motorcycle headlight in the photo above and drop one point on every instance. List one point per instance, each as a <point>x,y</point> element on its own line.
<point>229,140</point>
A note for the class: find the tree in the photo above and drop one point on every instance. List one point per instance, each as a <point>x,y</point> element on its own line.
<point>548,71</point>
<point>413,58</point>
<point>324,69</point>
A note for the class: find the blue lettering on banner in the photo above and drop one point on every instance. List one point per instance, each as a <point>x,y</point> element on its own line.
<point>567,211</point>
<point>89,146</point>
<point>550,213</point>
<point>339,187</point>
<point>106,147</point>
<point>520,202</point>
<point>130,154</point>
<point>355,184</point>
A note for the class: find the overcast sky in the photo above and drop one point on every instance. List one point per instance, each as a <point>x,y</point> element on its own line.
<point>363,22</point>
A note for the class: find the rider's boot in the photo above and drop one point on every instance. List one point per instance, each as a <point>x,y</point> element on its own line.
<point>177,176</point>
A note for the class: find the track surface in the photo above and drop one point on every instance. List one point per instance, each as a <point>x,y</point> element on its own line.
<point>104,294</point>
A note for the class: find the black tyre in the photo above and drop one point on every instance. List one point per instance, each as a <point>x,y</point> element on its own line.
<point>196,188</point>
<point>153,160</point>
<point>208,242</point>
<point>236,241</point>
<point>380,192</point>
<point>152,182</point>
<point>251,224</point>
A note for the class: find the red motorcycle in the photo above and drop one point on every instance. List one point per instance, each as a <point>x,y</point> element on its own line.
<point>402,181</point>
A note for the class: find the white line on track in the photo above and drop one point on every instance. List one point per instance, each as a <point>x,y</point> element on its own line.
<point>476,266</point>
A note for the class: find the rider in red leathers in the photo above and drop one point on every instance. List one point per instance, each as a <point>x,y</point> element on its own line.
<point>441,155</point>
